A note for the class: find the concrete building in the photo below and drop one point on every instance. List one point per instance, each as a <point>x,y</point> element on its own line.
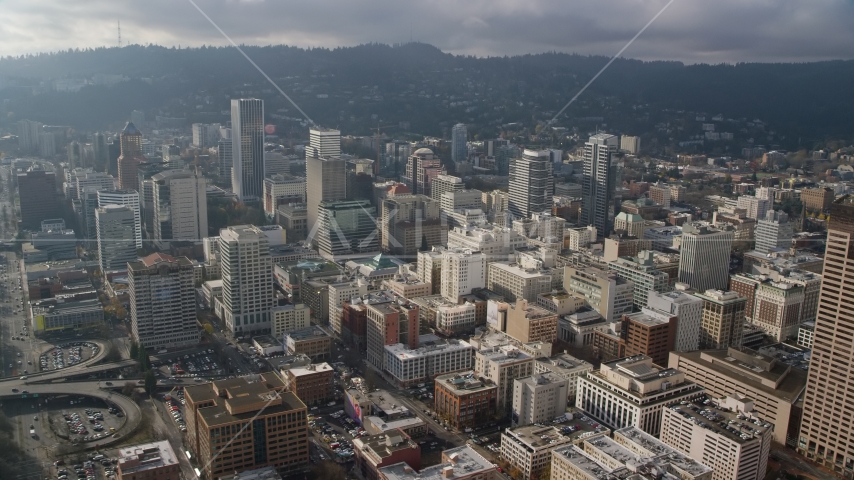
<point>429,265</point>
<point>529,448</point>
<point>773,231</point>
<point>453,319</point>
<point>777,309</point>
<point>459,148</point>
<point>643,274</point>
<point>630,144</point>
<point>599,183</point>
<point>180,206</point>
<point>325,172</point>
<point>36,197</point>
<point>630,223</point>
<point>663,238</point>
<point>648,333</point>
<point>56,314</point>
<point>459,463</point>
<point>660,194</point>
<point>462,271</point>
<point>408,222</point>
<point>294,219</point>
<point>247,148</point>
<point>514,282</point>
<point>581,237</point>
<point>421,168</point>
<point>383,450</point>
<point>727,436</point>
<point>723,319</point>
<point>389,324</point>
<point>497,243</point>
<point>566,366</point>
<point>502,365</point>
<point>346,229</point>
<point>531,183</point>
<point>704,260</point>
<point>529,323</point>
<point>289,318</point>
<point>282,189</point>
<point>538,399</point>
<point>817,199</point>
<point>632,454</point>
<point>162,302</point>
<point>311,342</point>
<point>341,292</point>
<point>688,311</point>
<point>154,461</point>
<point>116,227</point>
<point>312,383</point>
<point>274,424</point>
<point>247,280</point>
<point>129,198</point>
<point>433,357</point>
<point>130,141</point>
<point>609,294</point>
<point>463,400</point>
<point>632,391</point>
<point>754,207</point>
<point>445,183</point>
<point>775,386</point>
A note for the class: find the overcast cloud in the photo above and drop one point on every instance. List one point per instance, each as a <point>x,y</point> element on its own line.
<point>710,31</point>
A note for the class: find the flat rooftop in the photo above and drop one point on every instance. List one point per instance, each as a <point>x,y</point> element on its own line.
<point>563,362</point>
<point>430,348</point>
<point>310,333</point>
<point>464,383</point>
<point>737,427</point>
<point>148,456</point>
<point>537,437</point>
<point>313,369</point>
<point>266,341</point>
<point>456,463</point>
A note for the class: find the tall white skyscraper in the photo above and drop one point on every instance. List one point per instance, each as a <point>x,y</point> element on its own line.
<point>462,271</point>
<point>599,183</point>
<point>180,206</point>
<point>247,125</point>
<point>124,197</point>
<point>689,312</point>
<point>247,279</point>
<point>459,136</point>
<point>162,302</point>
<point>325,172</point>
<point>116,227</point>
<point>704,258</point>
<point>531,183</point>
<point>773,231</point>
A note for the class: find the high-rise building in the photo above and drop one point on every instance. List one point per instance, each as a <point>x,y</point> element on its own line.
<point>97,180</point>
<point>325,172</point>
<point>514,282</point>
<point>100,152</point>
<point>827,436</point>
<point>131,156</point>
<point>632,392</point>
<point>390,323</point>
<point>247,279</point>
<point>539,398</point>
<point>206,135</point>
<point>599,183</point>
<point>421,168</point>
<point>28,135</point>
<point>531,184</point>
<point>346,227</point>
<point>180,206</point>
<point>642,273</point>
<point>459,137</point>
<point>36,197</point>
<point>530,323</point>
<point>774,231</point>
<point>502,365</point>
<point>660,194</point>
<point>271,424</point>
<point>723,319</point>
<point>462,271</point>
<point>323,142</point>
<point>688,310</point>
<point>445,183</point>
<point>124,197</point>
<point>630,144</point>
<point>225,158</point>
<point>736,445</point>
<point>754,207</point>
<point>704,257</point>
<point>247,150</point>
<point>282,189</point>
<point>581,237</point>
<point>162,302</point>
<point>408,222</point>
<point>649,333</point>
<point>116,227</point>
<point>294,219</point>
<point>610,295</point>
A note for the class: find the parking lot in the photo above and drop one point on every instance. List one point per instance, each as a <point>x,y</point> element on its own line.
<point>197,364</point>
<point>86,421</point>
<point>67,354</point>
<point>96,466</point>
<point>173,403</point>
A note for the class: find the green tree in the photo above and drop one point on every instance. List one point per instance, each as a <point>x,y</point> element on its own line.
<point>150,381</point>
<point>134,350</point>
<point>144,362</point>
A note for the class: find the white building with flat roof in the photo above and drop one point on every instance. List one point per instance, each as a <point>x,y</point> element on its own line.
<point>497,243</point>
<point>503,365</point>
<point>410,366</point>
<point>566,366</point>
<point>460,463</point>
<point>539,398</point>
<point>529,448</point>
<point>689,312</point>
<point>462,271</point>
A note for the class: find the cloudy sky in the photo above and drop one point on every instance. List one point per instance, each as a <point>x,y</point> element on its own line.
<point>708,31</point>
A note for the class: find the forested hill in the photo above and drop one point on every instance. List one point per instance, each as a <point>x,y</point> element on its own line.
<point>420,84</point>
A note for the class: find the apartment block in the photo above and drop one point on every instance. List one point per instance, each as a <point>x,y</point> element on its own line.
<point>513,282</point>
<point>312,383</point>
<point>464,400</point>
<point>688,311</point>
<point>610,295</point>
<point>540,398</point>
<point>530,323</point>
<point>502,365</point>
<point>723,319</point>
<point>289,318</point>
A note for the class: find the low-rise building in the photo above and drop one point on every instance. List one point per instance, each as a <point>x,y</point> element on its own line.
<point>460,463</point>
<point>389,448</point>
<point>412,426</point>
<point>464,400</point>
<point>514,282</point>
<point>725,434</point>
<point>309,341</point>
<point>580,328</point>
<point>453,319</point>
<point>502,365</point>
<point>312,383</point>
<point>434,356</point>
<point>57,314</point>
<point>632,391</point>
<point>560,303</point>
<point>267,345</point>
<point>529,448</point>
<point>152,461</point>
